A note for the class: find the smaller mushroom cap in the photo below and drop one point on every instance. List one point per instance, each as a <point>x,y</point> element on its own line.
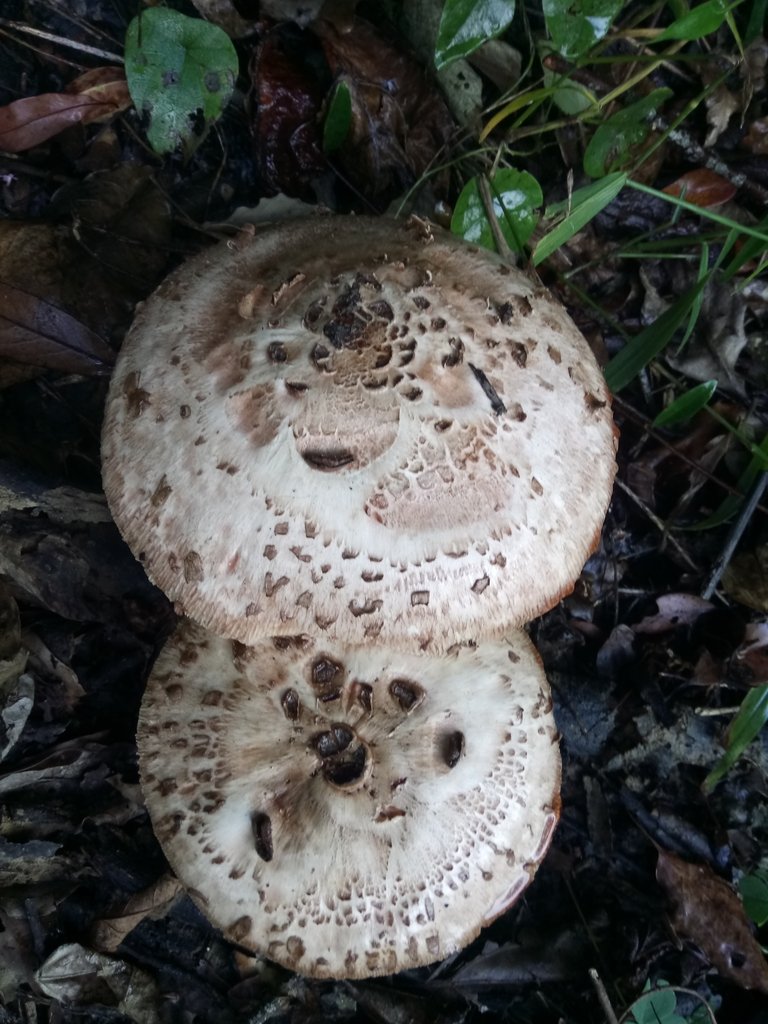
<point>349,812</point>
<point>361,427</point>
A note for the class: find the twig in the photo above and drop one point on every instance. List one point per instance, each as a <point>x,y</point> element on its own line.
<point>735,534</point>
<point>602,997</point>
<point>502,246</point>
<point>660,525</point>
<point>93,51</point>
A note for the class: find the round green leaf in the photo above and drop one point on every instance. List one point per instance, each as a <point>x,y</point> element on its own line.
<point>517,198</point>
<point>181,72</point>
<point>576,25</point>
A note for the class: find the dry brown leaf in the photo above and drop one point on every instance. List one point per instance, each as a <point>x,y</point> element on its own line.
<point>673,610</point>
<point>108,933</point>
<point>399,119</point>
<point>708,913</point>
<point>224,14</point>
<point>97,95</point>
<point>746,578</point>
<point>36,332</point>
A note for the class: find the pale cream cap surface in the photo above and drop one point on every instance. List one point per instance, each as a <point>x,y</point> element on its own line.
<point>349,812</point>
<point>358,427</point>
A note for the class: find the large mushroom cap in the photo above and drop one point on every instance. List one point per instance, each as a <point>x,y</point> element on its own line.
<point>349,812</point>
<point>358,426</point>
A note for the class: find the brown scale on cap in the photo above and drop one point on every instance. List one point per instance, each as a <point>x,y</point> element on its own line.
<point>366,834</point>
<point>437,420</point>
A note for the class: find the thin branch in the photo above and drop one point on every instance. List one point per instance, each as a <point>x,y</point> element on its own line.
<point>49,37</point>
<point>660,525</point>
<point>735,534</point>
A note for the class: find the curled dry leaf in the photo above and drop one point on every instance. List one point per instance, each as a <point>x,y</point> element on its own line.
<point>707,912</point>
<point>97,95</point>
<point>673,610</point>
<point>154,902</point>
<point>74,974</point>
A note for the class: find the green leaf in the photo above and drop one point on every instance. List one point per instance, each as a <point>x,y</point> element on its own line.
<point>338,119</point>
<point>516,199</point>
<point>611,146</point>
<point>754,889</point>
<point>754,893</point>
<point>758,15</point>
<point>657,1007</point>
<point>698,22</point>
<point>646,345</point>
<point>749,720</point>
<point>181,73</point>
<point>467,24</point>
<point>576,25</point>
<point>586,203</point>
<point>687,405</point>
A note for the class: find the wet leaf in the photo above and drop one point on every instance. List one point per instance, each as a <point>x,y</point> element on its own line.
<point>289,95</point>
<point>35,332</point>
<point>708,913</point>
<point>98,95</point>
<point>517,198</point>
<point>612,145</point>
<point>466,24</point>
<point>702,187</point>
<point>181,73</point>
<point>576,25</point>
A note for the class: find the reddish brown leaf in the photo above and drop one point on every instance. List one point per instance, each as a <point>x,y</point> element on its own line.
<point>286,121</point>
<point>709,913</point>
<point>35,332</point>
<point>702,187</point>
<point>97,95</point>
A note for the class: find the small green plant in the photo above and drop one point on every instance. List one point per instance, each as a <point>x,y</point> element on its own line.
<point>754,894</point>
<point>658,1004</point>
<point>751,717</point>
<point>516,199</point>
